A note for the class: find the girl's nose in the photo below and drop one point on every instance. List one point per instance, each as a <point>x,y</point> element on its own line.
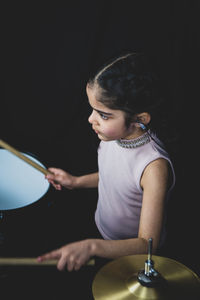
<point>92,118</point>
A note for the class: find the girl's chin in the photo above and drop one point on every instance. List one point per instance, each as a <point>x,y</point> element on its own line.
<point>105,138</point>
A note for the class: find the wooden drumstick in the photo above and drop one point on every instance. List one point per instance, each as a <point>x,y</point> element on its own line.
<point>30,261</point>
<point>23,157</point>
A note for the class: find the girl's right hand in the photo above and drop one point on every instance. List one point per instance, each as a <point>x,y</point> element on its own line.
<point>58,178</point>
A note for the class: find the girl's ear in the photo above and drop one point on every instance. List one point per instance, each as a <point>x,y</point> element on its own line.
<point>143,118</point>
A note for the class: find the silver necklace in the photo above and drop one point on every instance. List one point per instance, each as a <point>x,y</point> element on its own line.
<point>137,142</point>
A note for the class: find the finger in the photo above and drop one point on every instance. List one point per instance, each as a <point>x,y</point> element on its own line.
<point>54,170</point>
<point>71,263</point>
<point>77,266</point>
<point>51,181</point>
<point>51,255</point>
<point>56,185</point>
<point>50,177</point>
<point>63,263</point>
<point>79,263</point>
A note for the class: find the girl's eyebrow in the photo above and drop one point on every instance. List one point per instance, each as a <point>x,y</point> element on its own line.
<point>100,111</point>
<point>103,112</point>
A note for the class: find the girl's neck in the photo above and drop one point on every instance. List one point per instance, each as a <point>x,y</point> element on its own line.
<point>134,134</point>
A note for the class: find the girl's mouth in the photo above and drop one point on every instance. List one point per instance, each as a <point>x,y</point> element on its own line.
<point>95,130</point>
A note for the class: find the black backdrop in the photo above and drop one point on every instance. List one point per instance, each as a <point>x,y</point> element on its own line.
<point>47,54</point>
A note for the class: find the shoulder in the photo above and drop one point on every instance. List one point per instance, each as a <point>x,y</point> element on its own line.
<point>159,166</point>
<point>157,172</point>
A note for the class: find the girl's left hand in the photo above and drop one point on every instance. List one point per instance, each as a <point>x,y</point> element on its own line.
<point>73,256</point>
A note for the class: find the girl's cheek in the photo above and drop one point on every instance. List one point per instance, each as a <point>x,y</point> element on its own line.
<point>110,132</point>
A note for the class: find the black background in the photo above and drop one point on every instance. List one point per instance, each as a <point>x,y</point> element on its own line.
<point>48,52</point>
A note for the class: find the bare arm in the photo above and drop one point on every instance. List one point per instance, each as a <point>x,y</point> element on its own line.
<point>59,178</point>
<point>87,181</point>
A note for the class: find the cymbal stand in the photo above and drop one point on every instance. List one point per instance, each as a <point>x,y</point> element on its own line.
<point>149,277</point>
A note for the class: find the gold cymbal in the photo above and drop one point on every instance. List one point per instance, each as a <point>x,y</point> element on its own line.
<point>118,280</point>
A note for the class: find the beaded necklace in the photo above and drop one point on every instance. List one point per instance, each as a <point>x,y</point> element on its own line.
<point>134,143</point>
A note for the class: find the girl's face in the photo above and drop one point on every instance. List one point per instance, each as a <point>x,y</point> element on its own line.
<point>109,124</point>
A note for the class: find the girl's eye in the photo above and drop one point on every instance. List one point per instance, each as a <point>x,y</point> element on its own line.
<point>104,117</point>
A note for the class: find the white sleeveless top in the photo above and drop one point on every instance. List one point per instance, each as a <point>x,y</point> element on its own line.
<point>120,195</point>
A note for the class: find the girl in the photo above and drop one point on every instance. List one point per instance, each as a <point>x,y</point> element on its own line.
<point>135,172</point>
